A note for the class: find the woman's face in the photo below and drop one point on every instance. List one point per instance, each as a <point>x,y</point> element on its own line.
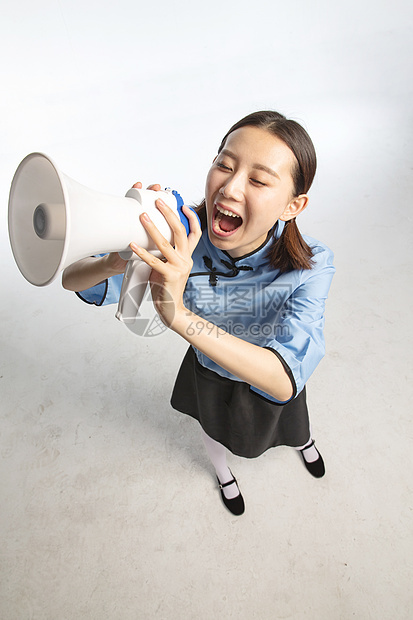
<point>248,188</point>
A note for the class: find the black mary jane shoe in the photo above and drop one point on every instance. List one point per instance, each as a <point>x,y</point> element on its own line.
<point>236,504</point>
<point>316,468</point>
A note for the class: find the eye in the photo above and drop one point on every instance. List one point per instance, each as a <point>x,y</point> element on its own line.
<point>256,182</point>
<point>222,166</point>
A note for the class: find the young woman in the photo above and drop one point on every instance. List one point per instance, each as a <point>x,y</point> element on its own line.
<point>247,292</point>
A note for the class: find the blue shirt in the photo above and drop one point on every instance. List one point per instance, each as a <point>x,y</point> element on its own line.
<point>247,298</point>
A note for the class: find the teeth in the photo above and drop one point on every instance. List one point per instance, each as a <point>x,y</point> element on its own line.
<point>226,212</point>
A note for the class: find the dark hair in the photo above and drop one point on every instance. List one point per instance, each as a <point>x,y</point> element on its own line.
<point>289,251</point>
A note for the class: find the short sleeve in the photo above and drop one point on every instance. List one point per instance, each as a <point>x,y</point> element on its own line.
<point>104,293</point>
<point>299,340</point>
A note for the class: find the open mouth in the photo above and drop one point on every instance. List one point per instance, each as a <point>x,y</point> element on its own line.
<point>224,221</point>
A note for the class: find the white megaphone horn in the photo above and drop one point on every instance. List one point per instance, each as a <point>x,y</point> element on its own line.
<point>55,221</point>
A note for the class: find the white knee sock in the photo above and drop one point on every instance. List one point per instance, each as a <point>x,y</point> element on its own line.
<point>218,456</point>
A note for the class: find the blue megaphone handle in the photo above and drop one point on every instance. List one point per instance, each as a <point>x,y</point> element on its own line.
<point>183,218</point>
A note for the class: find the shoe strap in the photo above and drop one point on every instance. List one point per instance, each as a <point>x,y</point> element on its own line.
<point>226,484</point>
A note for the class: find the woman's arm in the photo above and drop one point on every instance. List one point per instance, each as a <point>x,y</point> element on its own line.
<point>90,271</point>
<point>253,364</point>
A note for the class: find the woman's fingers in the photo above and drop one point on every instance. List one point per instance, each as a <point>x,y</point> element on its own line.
<point>183,244</point>
<point>174,222</point>
<point>161,243</point>
<point>151,260</point>
<point>155,186</point>
<point>195,231</point>
<point>181,238</point>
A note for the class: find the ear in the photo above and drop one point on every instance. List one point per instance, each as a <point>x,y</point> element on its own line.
<point>295,207</point>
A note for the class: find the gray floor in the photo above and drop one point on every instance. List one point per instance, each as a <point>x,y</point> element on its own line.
<point>110,508</point>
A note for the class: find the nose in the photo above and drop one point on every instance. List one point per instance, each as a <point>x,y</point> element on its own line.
<point>233,188</point>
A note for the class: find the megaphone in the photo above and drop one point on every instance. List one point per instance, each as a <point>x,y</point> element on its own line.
<point>55,221</point>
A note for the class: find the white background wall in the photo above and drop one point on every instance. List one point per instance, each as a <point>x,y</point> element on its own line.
<point>146,90</point>
<point>122,91</point>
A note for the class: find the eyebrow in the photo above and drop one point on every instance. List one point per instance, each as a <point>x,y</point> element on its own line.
<point>255,166</point>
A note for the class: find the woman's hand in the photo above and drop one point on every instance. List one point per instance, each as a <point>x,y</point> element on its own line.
<point>169,275</point>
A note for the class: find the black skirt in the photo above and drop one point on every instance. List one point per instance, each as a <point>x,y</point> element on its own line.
<point>235,416</point>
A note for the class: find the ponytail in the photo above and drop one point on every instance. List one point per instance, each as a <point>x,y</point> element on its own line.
<point>290,251</point>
